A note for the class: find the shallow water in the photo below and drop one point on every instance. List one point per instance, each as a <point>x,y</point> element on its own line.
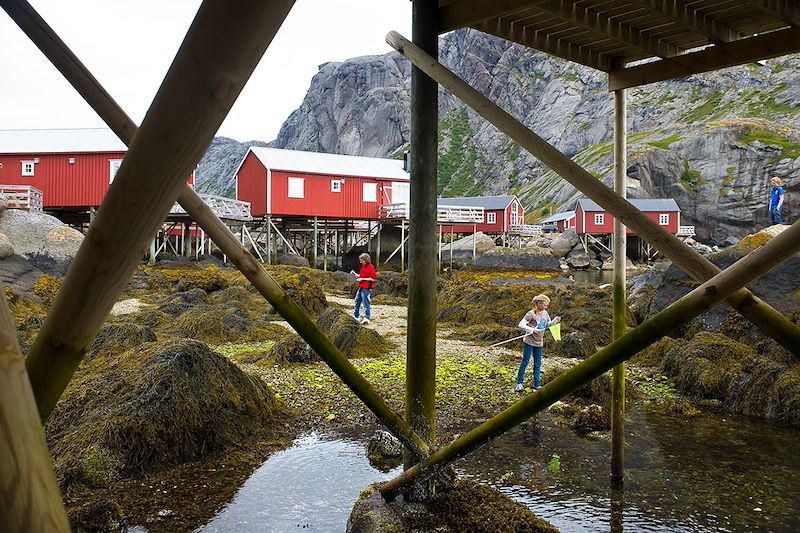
<point>682,474</point>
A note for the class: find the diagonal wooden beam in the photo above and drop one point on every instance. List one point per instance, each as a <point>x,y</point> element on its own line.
<point>692,19</point>
<point>604,25</point>
<point>559,48</point>
<point>29,495</point>
<point>107,108</point>
<point>764,46</point>
<point>784,10</point>
<point>757,311</point>
<point>222,48</point>
<point>710,293</point>
<point>83,81</point>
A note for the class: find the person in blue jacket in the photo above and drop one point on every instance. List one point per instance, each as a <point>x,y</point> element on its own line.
<point>776,201</point>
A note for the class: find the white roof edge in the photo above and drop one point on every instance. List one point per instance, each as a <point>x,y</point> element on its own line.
<point>335,164</point>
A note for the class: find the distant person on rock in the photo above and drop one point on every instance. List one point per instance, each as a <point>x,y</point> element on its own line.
<point>534,323</point>
<point>366,279</point>
<point>776,201</point>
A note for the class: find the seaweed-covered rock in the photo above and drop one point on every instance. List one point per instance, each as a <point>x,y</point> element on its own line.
<point>575,345</point>
<point>119,336</point>
<point>291,348</point>
<point>384,451</point>
<point>591,418</point>
<point>467,506</point>
<point>653,355</point>
<point>155,406</point>
<point>766,389</point>
<point>352,339</point>
<point>101,516</point>
<point>180,302</point>
<point>705,365</point>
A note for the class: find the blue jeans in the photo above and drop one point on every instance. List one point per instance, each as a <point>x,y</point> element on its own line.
<point>537,352</point>
<point>775,215</point>
<point>363,295</point>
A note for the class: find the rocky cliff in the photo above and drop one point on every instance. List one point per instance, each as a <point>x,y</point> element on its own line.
<point>710,141</point>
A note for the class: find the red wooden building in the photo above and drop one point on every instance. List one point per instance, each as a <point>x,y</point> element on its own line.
<point>291,183</point>
<point>559,222</point>
<point>72,167</point>
<point>591,219</point>
<point>500,213</point>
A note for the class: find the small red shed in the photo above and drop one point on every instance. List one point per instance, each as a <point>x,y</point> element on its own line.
<point>72,167</point>
<point>593,219</point>
<point>281,183</point>
<point>501,213</point>
<point>559,222</point>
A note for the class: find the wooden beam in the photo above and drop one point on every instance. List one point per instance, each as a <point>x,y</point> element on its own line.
<point>710,293</point>
<point>222,47</point>
<point>784,10</point>
<point>606,26</point>
<point>764,46</point>
<point>692,19</point>
<point>29,495</point>
<point>556,47</point>
<point>758,312</point>
<point>420,397</point>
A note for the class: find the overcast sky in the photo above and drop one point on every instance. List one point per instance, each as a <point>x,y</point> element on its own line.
<point>128,46</point>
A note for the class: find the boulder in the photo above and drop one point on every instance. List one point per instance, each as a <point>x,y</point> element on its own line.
<point>292,260</point>
<point>42,239</point>
<point>536,259</point>
<point>6,248</point>
<point>561,245</point>
<point>384,451</point>
<point>463,247</point>
<point>578,259</point>
<point>18,274</point>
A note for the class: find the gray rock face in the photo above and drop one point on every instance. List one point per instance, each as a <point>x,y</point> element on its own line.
<point>6,248</point>
<point>536,259</point>
<point>481,243</point>
<point>710,141</point>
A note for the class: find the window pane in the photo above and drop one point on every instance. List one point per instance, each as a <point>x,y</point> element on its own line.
<point>370,192</point>
<point>296,187</point>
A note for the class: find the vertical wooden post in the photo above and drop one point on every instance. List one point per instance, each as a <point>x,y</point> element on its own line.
<point>151,260</point>
<point>325,246</point>
<point>269,239</point>
<point>315,243</point>
<point>378,245</point>
<point>369,236</point>
<point>31,499</point>
<point>421,354</point>
<point>619,304</point>
<point>403,246</point>
<point>440,247</point>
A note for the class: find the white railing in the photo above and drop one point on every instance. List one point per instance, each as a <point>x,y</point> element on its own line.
<point>685,231</point>
<point>22,197</point>
<point>454,214</point>
<point>224,208</point>
<point>526,230</point>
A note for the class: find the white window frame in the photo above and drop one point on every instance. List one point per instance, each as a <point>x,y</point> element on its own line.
<point>295,187</point>
<point>515,213</point>
<point>599,219</point>
<point>663,219</point>
<point>113,168</point>
<point>336,185</point>
<point>28,167</point>
<point>369,192</point>
<point>491,218</point>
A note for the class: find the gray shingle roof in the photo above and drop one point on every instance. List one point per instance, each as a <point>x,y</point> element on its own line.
<point>486,202</point>
<point>564,215</point>
<point>662,205</point>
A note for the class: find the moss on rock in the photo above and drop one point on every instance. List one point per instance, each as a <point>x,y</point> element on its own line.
<point>705,365</point>
<point>156,406</point>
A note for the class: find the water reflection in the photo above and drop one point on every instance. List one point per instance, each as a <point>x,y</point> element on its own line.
<point>682,474</point>
<point>311,486</point>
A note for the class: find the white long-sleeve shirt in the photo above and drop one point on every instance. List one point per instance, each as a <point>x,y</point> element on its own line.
<point>529,324</point>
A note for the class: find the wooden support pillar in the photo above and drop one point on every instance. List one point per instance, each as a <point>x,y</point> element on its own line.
<point>369,236</point>
<point>269,239</point>
<point>421,354</point>
<point>402,246</point>
<point>151,260</point>
<point>31,499</point>
<point>619,302</point>
<point>440,246</point>
<point>325,247</point>
<point>378,245</point>
<point>315,243</point>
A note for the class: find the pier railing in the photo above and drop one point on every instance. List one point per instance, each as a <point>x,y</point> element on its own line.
<point>452,214</point>
<point>23,197</point>
<point>685,231</point>
<point>525,230</point>
<point>224,208</point>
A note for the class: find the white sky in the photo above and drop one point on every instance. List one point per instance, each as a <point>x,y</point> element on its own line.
<point>128,46</point>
